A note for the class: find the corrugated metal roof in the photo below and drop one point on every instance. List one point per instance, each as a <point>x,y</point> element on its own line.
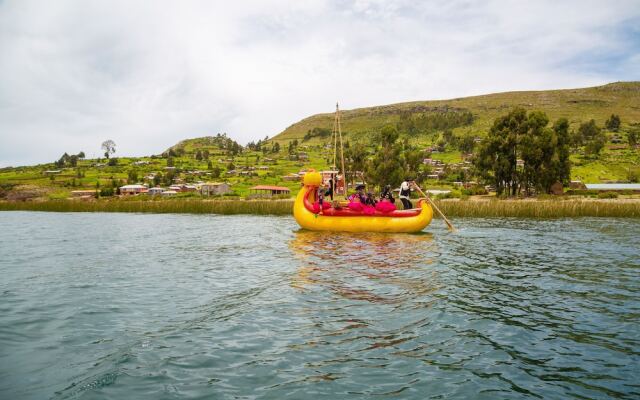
<point>613,186</point>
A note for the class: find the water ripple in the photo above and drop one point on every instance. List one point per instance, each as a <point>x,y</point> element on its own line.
<point>178,306</point>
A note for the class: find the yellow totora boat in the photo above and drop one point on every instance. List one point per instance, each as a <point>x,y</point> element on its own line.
<point>333,219</point>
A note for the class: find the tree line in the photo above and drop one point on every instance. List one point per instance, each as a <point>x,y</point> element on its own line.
<point>522,153</point>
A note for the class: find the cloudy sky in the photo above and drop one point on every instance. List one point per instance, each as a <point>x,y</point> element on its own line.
<point>150,73</point>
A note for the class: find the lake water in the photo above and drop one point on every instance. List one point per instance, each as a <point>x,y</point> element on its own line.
<point>124,306</point>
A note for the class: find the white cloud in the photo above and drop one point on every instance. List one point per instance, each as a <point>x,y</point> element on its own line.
<point>147,74</point>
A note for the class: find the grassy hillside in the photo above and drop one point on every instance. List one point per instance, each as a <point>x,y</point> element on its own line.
<point>211,158</point>
<point>577,105</point>
<point>51,181</point>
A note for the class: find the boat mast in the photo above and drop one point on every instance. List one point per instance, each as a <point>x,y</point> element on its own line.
<point>344,171</point>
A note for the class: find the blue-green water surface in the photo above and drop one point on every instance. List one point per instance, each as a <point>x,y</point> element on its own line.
<point>129,306</point>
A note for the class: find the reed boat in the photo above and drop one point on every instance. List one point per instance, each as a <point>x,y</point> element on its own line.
<point>347,220</point>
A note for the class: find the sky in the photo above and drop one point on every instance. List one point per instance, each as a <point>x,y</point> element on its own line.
<point>147,74</point>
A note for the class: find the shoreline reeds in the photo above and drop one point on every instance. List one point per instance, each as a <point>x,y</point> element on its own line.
<point>541,208</point>
<point>454,209</point>
<point>257,207</point>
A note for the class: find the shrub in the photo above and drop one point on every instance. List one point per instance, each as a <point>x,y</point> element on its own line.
<point>607,195</point>
<point>106,192</point>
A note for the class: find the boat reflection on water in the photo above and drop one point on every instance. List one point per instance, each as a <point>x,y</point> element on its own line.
<point>375,267</point>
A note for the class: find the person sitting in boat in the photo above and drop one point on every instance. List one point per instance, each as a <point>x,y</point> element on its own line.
<point>387,194</point>
<point>386,200</point>
<point>370,200</point>
<point>359,195</point>
<point>369,204</point>
<point>358,199</point>
<point>405,193</point>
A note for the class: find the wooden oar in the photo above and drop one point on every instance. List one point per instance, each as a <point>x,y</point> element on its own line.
<point>449,225</point>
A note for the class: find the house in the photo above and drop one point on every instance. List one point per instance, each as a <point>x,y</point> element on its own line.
<point>293,177</point>
<point>170,168</point>
<point>214,188</point>
<point>52,172</point>
<point>155,191</point>
<point>169,193</point>
<point>189,188</point>
<point>133,189</point>
<point>263,168</point>
<point>175,188</point>
<point>141,163</point>
<point>268,191</point>
<point>577,185</point>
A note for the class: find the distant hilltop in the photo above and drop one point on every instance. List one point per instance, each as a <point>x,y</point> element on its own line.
<point>621,98</point>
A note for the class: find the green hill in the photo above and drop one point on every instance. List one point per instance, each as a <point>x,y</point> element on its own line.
<point>577,105</point>
<point>424,123</point>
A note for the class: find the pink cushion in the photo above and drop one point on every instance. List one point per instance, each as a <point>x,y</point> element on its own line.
<point>355,206</point>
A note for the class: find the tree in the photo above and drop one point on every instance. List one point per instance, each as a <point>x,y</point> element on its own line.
<point>466,143</point>
<point>544,152</point>
<point>593,137</point>
<point>231,166</point>
<point>563,164</point>
<point>112,162</point>
<point>386,167</point>
<point>205,154</point>
<point>576,139</point>
<point>588,130</point>
<point>109,147</point>
<point>497,158</point>
<point>199,155</point>
<point>215,172</point>
<point>81,155</point>
<point>275,148</point>
<point>73,160</point>
<point>133,176</point>
<point>355,160</point>
<point>633,136</point>
<point>157,178</point>
<point>209,165</point>
<point>595,145</point>
<point>170,162</point>
<point>613,123</point>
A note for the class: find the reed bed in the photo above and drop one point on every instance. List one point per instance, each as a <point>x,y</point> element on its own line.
<point>255,207</point>
<point>454,209</point>
<point>541,208</point>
